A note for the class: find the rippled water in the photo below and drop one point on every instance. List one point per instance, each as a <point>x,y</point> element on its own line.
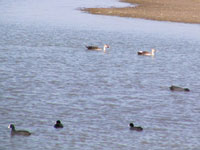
<point>47,74</point>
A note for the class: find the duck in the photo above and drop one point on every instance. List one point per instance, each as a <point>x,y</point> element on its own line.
<point>132,127</point>
<point>177,88</point>
<point>18,132</point>
<point>96,48</point>
<point>58,124</point>
<point>152,53</point>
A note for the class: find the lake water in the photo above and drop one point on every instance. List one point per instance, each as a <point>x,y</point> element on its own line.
<point>47,74</point>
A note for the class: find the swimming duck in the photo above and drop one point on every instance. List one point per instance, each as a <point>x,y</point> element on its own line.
<point>132,127</point>
<point>96,48</point>
<point>58,124</point>
<point>18,132</point>
<point>177,88</point>
<point>152,53</point>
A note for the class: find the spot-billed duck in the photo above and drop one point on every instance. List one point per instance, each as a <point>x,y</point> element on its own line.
<point>96,48</point>
<point>152,53</point>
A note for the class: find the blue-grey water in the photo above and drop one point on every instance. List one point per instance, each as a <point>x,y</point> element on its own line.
<point>47,74</point>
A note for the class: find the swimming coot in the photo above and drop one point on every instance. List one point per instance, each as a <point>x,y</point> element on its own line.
<point>177,88</point>
<point>58,124</point>
<point>132,127</point>
<point>18,132</point>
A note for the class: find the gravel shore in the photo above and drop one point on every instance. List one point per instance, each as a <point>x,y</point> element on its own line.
<point>186,11</point>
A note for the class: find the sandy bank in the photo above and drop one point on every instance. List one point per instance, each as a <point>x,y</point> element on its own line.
<point>187,11</point>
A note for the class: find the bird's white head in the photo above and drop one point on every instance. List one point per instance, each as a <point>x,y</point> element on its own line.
<point>105,46</point>
<point>153,51</point>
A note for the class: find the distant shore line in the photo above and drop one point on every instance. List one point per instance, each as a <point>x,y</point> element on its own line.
<point>185,11</point>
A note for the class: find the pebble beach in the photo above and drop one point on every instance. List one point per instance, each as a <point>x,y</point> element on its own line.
<point>185,11</point>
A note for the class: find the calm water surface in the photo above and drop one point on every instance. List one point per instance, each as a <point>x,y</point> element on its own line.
<point>47,74</point>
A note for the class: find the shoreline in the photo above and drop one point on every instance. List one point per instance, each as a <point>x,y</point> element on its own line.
<point>184,11</point>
